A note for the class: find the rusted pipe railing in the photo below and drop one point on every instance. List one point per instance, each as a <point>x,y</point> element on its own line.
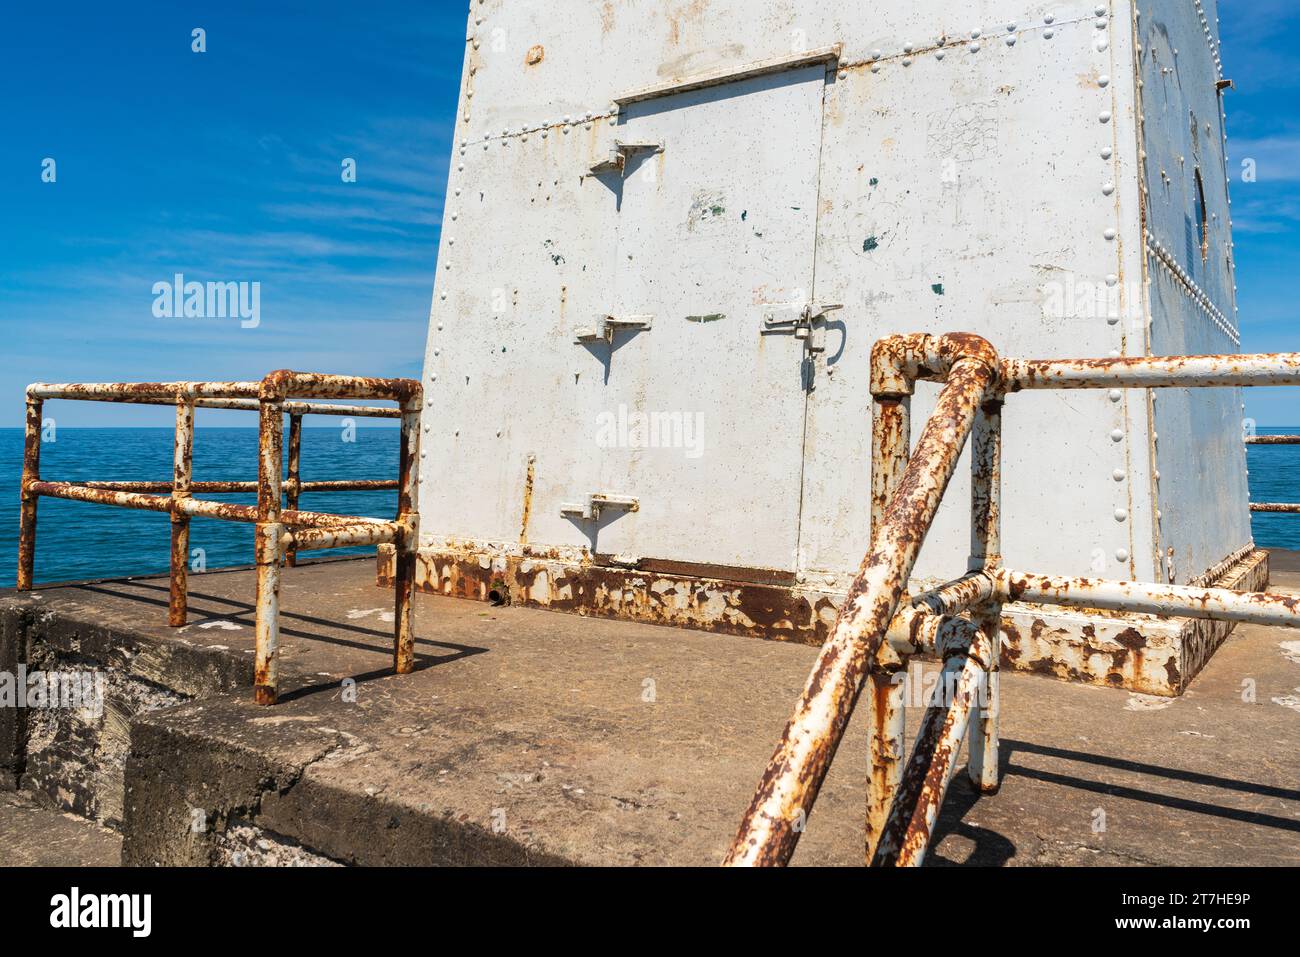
<point>1215,604</point>
<point>878,629</point>
<point>771,828</point>
<point>282,529</point>
<point>944,725</point>
<point>1277,508</point>
<point>1153,372</point>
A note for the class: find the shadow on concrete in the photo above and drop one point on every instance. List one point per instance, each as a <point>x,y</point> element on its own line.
<point>1123,764</point>
<point>247,612</point>
<point>992,849</point>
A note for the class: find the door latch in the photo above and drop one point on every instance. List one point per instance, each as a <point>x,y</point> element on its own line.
<point>800,320</point>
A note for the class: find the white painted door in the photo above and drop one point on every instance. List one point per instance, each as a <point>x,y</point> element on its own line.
<point>704,418</point>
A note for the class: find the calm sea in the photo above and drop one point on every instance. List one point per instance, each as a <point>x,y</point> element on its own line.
<point>77,540</point>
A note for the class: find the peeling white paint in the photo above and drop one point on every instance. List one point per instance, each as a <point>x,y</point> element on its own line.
<point>222,624</point>
<point>1146,702</point>
<point>1291,701</point>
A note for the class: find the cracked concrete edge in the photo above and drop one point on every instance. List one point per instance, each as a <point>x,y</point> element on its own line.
<point>184,669</point>
<point>39,636</point>
<point>172,665</point>
<point>184,789</point>
<point>366,830</point>
<point>15,622</point>
<point>187,785</point>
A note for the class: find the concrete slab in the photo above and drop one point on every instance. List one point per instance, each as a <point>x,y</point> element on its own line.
<point>528,736</point>
<point>35,836</point>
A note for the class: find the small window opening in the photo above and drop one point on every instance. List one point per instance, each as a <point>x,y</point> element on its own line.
<point>1202,217</point>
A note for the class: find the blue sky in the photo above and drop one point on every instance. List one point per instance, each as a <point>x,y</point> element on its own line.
<point>1260,54</point>
<point>225,165</point>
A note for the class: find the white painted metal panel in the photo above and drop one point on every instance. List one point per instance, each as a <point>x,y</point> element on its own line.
<point>715,233</point>
<point>504,382</point>
<point>977,193</point>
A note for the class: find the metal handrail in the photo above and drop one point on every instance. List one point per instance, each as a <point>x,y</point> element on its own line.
<point>1285,508</point>
<point>282,529</point>
<point>876,628</point>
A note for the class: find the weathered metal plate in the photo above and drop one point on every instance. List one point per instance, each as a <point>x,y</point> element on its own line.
<point>1200,487</point>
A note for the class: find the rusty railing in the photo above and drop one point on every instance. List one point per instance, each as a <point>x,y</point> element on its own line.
<point>282,530</point>
<point>879,626</point>
<point>1286,508</point>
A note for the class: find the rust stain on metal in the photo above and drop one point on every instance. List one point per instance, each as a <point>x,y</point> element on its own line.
<point>180,522</point>
<point>29,496</point>
<point>536,54</point>
<point>529,480</point>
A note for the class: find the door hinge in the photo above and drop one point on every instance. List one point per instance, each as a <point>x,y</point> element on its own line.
<point>606,326</point>
<point>620,153</point>
<point>597,502</point>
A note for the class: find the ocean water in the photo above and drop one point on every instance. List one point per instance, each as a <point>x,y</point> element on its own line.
<point>77,540</point>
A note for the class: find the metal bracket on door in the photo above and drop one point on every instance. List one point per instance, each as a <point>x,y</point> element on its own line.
<point>800,320</point>
<point>598,501</point>
<point>621,152</point>
<point>606,326</point>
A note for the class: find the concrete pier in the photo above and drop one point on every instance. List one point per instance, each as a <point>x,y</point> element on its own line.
<point>533,737</point>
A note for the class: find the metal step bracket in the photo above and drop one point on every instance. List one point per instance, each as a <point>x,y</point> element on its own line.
<point>597,502</point>
<point>606,326</point>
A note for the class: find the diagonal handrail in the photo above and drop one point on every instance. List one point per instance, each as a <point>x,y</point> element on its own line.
<point>788,788</point>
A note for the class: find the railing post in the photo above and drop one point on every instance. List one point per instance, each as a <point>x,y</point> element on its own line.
<point>269,547</point>
<point>944,723</point>
<point>182,474</point>
<point>408,483</point>
<point>887,744</point>
<point>986,555</point>
<point>891,435</point>
<point>295,476</point>
<point>31,473</point>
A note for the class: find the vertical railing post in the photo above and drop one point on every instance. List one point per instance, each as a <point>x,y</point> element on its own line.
<point>986,555</point>
<point>408,543</point>
<point>269,546</point>
<point>182,474</point>
<point>886,689</point>
<point>295,476</point>
<point>31,473</point>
